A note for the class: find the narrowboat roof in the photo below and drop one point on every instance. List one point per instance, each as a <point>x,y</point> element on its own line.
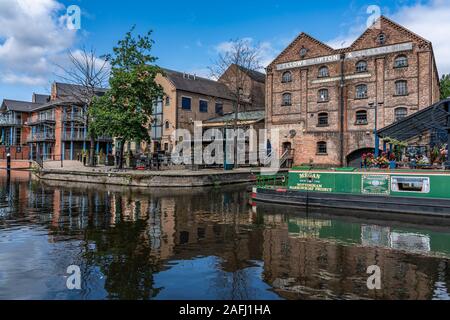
<point>380,171</point>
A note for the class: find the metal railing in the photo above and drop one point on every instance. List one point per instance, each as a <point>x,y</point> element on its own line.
<point>10,121</point>
<point>75,117</point>
<point>41,137</point>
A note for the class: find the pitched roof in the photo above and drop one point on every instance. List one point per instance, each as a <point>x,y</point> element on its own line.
<point>242,116</point>
<point>41,98</point>
<point>20,106</point>
<point>395,25</point>
<point>68,90</point>
<point>195,84</point>
<point>255,75</point>
<point>299,37</point>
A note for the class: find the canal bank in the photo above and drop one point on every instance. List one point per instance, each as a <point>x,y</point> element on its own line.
<point>74,172</point>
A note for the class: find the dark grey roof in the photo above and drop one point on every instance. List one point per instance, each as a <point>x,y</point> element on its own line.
<point>20,106</point>
<point>255,75</point>
<point>197,84</point>
<point>433,117</point>
<point>67,90</point>
<point>242,116</point>
<point>41,98</point>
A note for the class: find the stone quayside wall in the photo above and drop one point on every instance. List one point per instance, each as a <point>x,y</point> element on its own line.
<point>150,180</point>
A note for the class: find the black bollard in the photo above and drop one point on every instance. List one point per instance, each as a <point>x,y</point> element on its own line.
<point>8,161</point>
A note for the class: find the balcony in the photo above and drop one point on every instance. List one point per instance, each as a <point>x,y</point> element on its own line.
<point>79,136</point>
<point>9,121</point>
<point>74,117</point>
<point>41,137</point>
<point>42,119</point>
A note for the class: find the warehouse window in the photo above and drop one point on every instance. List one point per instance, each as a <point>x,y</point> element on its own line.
<point>323,119</point>
<point>361,66</point>
<point>324,72</point>
<point>401,62</point>
<point>287,77</point>
<point>361,117</point>
<point>361,91</point>
<point>323,95</point>
<point>287,100</point>
<point>401,88</point>
<point>322,147</point>
<point>400,113</point>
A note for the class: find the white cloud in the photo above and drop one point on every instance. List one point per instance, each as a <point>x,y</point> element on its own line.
<point>33,33</point>
<point>430,21</point>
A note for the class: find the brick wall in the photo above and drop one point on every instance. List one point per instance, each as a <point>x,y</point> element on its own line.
<point>380,78</point>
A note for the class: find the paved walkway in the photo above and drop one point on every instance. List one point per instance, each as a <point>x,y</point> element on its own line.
<point>76,166</point>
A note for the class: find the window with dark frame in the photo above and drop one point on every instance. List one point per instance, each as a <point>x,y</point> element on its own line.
<point>219,109</point>
<point>203,106</point>
<point>323,95</point>
<point>322,147</point>
<point>381,39</point>
<point>167,125</point>
<point>361,66</point>
<point>186,103</point>
<point>287,100</point>
<point>401,88</point>
<point>287,77</point>
<point>361,117</point>
<point>167,101</point>
<point>323,119</point>
<point>361,91</point>
<point>400,114</point>
<point>401,62</point>
<point>324,72</point>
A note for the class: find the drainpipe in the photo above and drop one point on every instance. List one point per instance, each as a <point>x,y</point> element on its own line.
<point>447,108</point>
<point>341,111</point>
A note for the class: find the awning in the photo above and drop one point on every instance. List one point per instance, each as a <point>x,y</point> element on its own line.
<point>434,117</point>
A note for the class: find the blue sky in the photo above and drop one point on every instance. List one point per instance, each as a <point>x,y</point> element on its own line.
<point>189,34</point>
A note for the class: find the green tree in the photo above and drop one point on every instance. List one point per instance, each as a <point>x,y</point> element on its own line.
<point>125,111</point>
<point>445,86</point>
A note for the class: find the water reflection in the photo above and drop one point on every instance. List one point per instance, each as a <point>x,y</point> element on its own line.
<point>202,244</point>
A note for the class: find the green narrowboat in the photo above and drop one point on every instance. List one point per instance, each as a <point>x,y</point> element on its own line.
<point>422,192</point>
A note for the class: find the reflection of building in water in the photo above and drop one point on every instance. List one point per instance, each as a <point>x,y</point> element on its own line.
<point>319,268</point>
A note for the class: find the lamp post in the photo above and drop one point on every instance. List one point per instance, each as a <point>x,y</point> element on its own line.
<point>236,120</point>
<point>377,139</point>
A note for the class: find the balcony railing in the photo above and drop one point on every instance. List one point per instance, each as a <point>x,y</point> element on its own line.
<point>10,121</point>
<point>80,136</point>
<point>41,137</point>
<point>75,117</point>
<point>42,119</point>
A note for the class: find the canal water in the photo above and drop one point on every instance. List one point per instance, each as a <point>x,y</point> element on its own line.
<point>205,244</point>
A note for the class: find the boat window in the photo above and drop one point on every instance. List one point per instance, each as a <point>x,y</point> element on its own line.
<point>410,184</point>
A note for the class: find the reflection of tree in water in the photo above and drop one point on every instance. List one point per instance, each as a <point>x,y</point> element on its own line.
<point>123,254</point>
<point>233,280</point>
